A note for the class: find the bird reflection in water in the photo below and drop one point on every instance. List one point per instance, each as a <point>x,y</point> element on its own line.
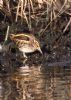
<point>30,83</point>
<point>37,83</point>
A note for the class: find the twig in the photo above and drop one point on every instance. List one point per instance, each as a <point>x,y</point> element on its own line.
<point>29,8</point>
<point>7,33</point>
<point>67,25</point>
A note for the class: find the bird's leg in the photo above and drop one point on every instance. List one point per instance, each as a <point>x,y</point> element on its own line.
<point>24,55</point>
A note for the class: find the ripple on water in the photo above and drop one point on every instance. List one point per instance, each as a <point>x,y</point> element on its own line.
<point>37,83</point>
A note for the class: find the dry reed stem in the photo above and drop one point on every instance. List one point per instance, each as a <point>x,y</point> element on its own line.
<point>7,34</point>
<point>67,25</point>
<point>29,10</point>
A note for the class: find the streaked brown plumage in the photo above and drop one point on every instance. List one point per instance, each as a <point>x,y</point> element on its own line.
<point>26,43</point>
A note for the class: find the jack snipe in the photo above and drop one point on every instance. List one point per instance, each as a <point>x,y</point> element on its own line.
<point>26,43</point>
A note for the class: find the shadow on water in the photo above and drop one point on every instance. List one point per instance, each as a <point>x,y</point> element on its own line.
<point>36,82</point>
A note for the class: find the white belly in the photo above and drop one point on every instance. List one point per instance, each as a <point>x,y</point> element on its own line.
<point>26,50</point>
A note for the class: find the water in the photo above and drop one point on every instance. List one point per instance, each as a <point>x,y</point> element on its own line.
<point>36,83</point>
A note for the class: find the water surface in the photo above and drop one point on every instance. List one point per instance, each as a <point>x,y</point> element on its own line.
<point>36,83</point>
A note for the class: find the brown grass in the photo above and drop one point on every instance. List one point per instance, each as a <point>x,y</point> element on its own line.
<point>42,13</point>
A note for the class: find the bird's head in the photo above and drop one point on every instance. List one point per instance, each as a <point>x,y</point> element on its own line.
<point>37,46</point>
<point>12,36</point>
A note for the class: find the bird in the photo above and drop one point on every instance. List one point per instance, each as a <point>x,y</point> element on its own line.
<point>26,43</point>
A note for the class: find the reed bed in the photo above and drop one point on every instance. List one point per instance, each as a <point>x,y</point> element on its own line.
<point>45,17</point>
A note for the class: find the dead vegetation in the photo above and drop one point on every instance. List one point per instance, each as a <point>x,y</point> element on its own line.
<point>49,20</point>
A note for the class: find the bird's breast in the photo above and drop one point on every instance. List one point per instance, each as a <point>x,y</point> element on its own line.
<point>27,49</point>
